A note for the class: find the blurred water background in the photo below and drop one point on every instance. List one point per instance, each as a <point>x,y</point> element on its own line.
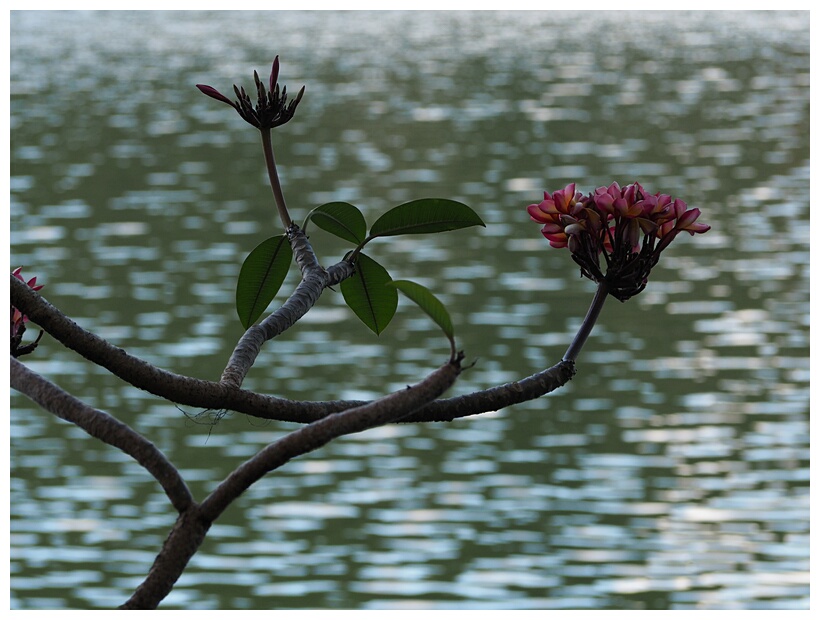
<point>672,472</point>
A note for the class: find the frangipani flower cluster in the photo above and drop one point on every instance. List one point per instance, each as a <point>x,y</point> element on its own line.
<point>272,108</point>
<point>627,226</point>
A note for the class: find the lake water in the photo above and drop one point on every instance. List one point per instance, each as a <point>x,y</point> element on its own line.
<point>671,472</point>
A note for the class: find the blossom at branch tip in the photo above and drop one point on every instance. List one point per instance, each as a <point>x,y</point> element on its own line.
<point>272,107</point>
<point>18,319</point>
<point>552,209</point>
<point>627,226</point>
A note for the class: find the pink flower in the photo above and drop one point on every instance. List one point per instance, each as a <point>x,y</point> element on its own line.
<point>627,226</point>
<point>550,212</point>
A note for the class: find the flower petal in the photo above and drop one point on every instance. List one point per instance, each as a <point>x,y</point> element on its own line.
<point>552,228</point>
<point>274,73</point>
<point>538,215</point>
<point>215,94</point>
<point>687,219</point>
<point>697,228</point>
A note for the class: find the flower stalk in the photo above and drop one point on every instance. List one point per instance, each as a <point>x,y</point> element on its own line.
<point>273,175</point>
<point>589,322</point>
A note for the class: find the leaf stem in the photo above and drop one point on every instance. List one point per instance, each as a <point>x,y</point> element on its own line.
<point>273,175</point>
<point>589,322</point>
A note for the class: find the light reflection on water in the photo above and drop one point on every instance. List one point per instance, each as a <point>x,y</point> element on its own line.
<point>672,472</point>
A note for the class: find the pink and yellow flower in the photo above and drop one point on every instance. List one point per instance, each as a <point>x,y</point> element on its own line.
<point>557,211</point>
<point>627,226</point>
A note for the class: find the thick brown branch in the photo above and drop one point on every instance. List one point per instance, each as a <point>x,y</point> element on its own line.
<point>192,525</point>
<point>303,252</point>
<point>182,543</point>
<point>211,395</point>
<point>385,410</point>
<point>448,409</point>
<point>104,427</point>
<point>314,280</point>
<point>139,373</point>
<point>249,346</point>
<point>495,398</point>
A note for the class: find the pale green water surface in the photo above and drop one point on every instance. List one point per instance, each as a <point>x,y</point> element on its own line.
<point>672,472</point>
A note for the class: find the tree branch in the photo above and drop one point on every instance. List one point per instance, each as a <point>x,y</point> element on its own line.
<point>449,409</point>
<point>385,410</point>
<point>314,280</point>
<point>139,373</point>
<point>212,395</point>
<point>495,398</point>
<point>104,427</point>
<point>182,543</point>
<point>192,525</point>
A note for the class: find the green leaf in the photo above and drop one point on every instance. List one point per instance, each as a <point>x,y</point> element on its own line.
<point>341,219</point>
<point>261,277</point>
<point>428,215</point>
<point>427,302</point>
<point>366,294</point>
